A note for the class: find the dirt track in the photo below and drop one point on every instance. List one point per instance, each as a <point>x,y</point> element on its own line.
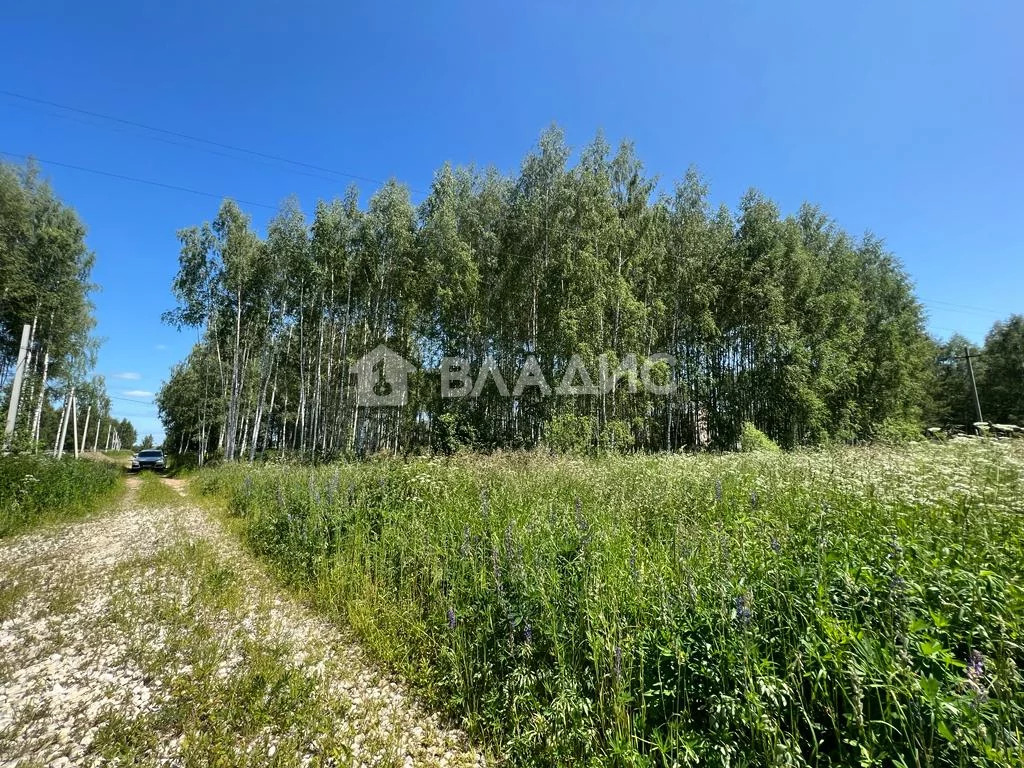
<point>108,626</point>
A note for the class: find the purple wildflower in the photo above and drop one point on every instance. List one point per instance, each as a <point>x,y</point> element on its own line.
<point>776,546</point>
<point>718,490</point>
<point>743,610</point>
<point>496,567</point>
<point>527,633</point>
<point>618,661</point>
<point>976,677</point>
<point>753,499</point>
<point>332,489</point>
<point>451,618</point>
<point>976,666</point>
<point>581,521</point>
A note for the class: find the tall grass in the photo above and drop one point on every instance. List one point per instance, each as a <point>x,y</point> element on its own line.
<point>862,607</point>
<point>36,490</point>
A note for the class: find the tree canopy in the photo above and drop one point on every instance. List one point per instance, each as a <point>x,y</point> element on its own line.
<point>781,320</point>
<point>45,269</point>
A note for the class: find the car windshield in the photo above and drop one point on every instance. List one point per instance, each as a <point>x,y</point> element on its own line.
<point>150,454</point>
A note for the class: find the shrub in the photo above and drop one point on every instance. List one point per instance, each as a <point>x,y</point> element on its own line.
<point>453,432</point>
<point>753,440</point>
<point>36,489</point>
<point>569,433</point>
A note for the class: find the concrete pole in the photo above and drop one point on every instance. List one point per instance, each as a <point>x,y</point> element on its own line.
<point>85,429</point>
<point>96,439</point>
<point>58,444</point>
<point>74,422</point>
<point>19,373</point>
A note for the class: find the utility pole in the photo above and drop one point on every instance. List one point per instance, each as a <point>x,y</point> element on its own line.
<point>19,373</point>
<point>974,386</point>
<point>74,421</point>
<point>85,429</point>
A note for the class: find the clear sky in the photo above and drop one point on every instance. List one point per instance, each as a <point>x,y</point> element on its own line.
<point>901,118</point>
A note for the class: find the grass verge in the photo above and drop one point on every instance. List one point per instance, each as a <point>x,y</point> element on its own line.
<point>36,490</point>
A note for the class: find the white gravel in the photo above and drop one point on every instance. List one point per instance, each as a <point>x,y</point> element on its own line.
<point>64,668</point>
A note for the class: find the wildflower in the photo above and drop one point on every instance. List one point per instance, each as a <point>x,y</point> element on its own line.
<point>581,521</point>
<point>332,489</point>
<point>976,679</point>
<point>776,546</point>
<point>753,499</point>
<point>718,490</point>
<point>314,491</point>
<point>496,568</point>
<point>976,667</point>
<point>351,494</point>
<point>527,633</point>
<point>742,607</point>
<point>451,618</point>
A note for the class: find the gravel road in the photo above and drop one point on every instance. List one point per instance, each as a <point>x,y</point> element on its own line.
<point>89,613</point>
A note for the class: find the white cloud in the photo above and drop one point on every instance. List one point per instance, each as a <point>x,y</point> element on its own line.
<point>160,346</point>
<point>128,376</point>
<point>136,393</point>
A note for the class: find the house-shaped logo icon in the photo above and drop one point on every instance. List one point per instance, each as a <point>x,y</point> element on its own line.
<point>382,378</point>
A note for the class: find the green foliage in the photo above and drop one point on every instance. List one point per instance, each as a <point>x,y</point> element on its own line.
<point>45,269</point>
<point>36,490</point>
<point>569,433</point>
<point>753,439</point>
<point>896,432</point>
<point>453,433</point>
<point>1002,375</point>
<point>779,319</point>
<point>857,607</point>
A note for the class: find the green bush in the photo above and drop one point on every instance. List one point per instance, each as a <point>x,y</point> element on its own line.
<point>453,432</point>
<point>569,433</point>
<point>753,440</point>
<point>862,606</point>
<point>896,432</point>
<point>35,489</point>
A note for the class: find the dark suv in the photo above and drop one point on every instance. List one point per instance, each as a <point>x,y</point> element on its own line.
<point>150,459</point>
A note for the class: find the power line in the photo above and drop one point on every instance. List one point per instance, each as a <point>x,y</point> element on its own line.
<point>189,137</point>
<point>150,182</point>
<point>968,307</point>
<point>130,400</point>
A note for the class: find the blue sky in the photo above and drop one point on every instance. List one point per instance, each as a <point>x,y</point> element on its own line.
<point>901,118</point>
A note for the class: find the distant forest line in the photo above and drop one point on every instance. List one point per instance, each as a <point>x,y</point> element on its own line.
<point>783,321</point>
